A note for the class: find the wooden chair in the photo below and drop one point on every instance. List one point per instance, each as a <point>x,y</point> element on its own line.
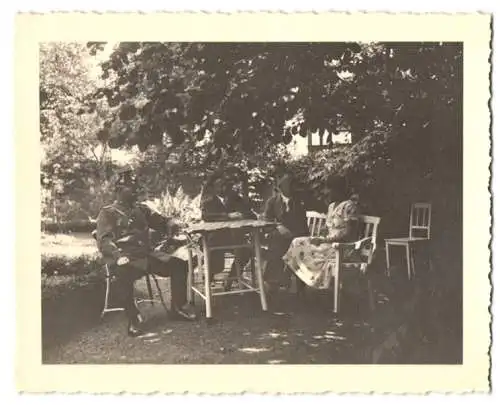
<point>316,222</point>
<point>109,278</point>
<point>419,233</point>
<point>365,248</point>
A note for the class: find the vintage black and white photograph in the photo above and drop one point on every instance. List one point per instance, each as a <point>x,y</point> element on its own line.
<point>204,207</point>
<point>251,202</point>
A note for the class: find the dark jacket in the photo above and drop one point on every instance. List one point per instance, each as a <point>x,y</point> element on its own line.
<point>294,219</point>
<point>125,231</point>
<point>213,209</point>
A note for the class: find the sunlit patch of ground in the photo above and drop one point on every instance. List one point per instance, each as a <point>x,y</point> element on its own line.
<point>71,245</point>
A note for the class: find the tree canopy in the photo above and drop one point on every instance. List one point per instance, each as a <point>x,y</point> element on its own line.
<point>74,163</point>
<point>240,93</point>
<point>68,140</point>
<point>400,101</point>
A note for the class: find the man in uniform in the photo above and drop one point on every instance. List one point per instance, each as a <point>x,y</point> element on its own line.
<point>123,239</point>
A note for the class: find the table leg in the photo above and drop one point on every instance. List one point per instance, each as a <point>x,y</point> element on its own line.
<point>190,277</point>
<point>237,265</point>
<point>252,271</point>
<point>388,259</point>
<point>258,268</point>
<point>206,267</point>
<point>412,253</point>
<point>336,282</point>
<point>408,261</point>
<point>150,290</point>
<point>429,258</point>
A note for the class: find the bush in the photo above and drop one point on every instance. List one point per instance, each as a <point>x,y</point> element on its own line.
<point>179,206</point>
<point>67,265</point>
<point>74,212</point>
<point>62,274</point>
<point>86,226</point>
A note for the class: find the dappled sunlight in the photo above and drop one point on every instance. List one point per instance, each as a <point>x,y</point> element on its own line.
<point>329,336</point>
<point>334,337</point>
<point>155,340</point>
<point>252,350</point>
<point>311,344</point>
<point>382,299</point>
<point>149,335</point>
<point>275,335</point>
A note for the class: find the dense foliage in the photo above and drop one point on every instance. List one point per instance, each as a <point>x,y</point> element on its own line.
<point>203,105</point>
<point>75,165</point>
<point>212,104</point>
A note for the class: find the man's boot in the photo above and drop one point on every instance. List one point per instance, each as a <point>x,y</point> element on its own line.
<point>136,325</point>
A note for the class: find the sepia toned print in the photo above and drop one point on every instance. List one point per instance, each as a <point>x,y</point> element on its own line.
<point>279,203</point>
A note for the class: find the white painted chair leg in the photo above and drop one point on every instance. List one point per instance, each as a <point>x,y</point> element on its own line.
<point>336,283</point>
<point>387,259</point>
<point>208,290</point>
<point>190,280</point>
<point>408,261</point>
<point>258,268</point>
<point>106,297</point>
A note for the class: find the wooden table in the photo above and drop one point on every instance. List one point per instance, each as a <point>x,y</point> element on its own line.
<point>205,229</point>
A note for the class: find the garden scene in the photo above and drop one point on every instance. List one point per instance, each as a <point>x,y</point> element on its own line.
<point>381,119</point>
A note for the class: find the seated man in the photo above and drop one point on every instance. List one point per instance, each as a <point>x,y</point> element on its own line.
<point>123,239</point>
<point>286,209</point>
<point>221,202</point>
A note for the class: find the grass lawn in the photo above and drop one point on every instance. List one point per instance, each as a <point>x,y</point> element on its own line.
<point>68,263</point>
<point>70,245</point>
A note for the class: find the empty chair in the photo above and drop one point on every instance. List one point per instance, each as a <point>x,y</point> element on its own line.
<point>419,233</point>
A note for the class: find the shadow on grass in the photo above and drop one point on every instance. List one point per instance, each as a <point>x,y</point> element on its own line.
<point>292,332</point>
<point>67,315</point>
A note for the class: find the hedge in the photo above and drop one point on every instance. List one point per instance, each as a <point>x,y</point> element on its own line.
<point>68,227</point>
<point>67,265</point>
<point>61,274</point>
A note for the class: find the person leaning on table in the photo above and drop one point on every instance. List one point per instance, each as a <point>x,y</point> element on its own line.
<point>123,239</point>
<point>220,202</point>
